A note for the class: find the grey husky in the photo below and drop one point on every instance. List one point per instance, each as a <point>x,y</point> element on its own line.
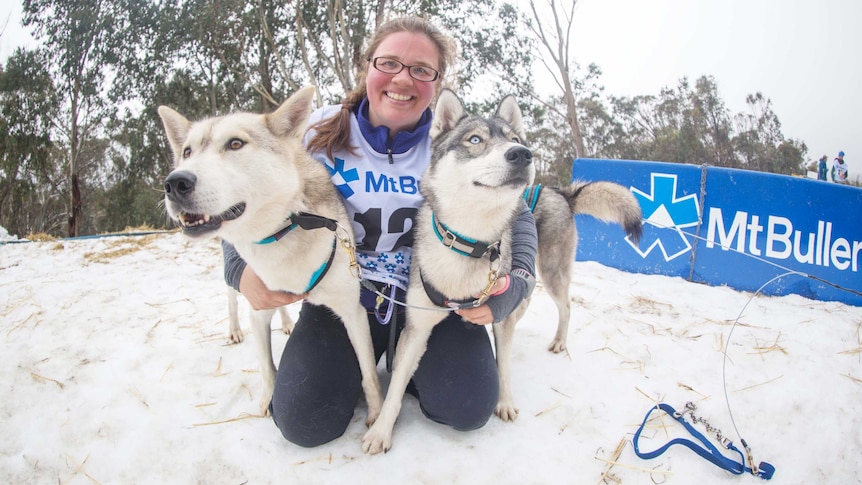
<point>474,187</point>
<point>247,178</point>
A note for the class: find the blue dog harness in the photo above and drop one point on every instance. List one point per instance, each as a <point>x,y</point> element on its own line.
<point>464,246</point>
<point>707,451</point>
<point>307,222</point>
<point>531,196</point>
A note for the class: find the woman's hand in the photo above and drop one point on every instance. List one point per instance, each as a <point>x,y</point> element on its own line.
<point>259,296</point>
<point>482,315</point>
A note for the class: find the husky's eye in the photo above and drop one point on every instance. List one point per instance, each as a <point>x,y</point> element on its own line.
<point>517,140</point>
<point>187,152</point>
<point>235,144</point>
<point>475,139</point>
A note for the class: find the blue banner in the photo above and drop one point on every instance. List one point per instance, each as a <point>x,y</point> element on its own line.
<point>738,228</point>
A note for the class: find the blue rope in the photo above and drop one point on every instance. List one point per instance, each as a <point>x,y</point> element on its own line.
<point>93,236</point>
<point>710,452</point>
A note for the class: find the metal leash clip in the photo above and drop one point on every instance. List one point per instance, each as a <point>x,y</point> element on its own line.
<point>346,243</point>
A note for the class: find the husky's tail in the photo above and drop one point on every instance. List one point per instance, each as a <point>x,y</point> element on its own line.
<point>607,201</point>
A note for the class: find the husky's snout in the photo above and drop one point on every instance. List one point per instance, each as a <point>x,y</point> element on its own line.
<point>520,156</point>
<point>195,220</point>
<point>519,160</point>
<point>180,185</point>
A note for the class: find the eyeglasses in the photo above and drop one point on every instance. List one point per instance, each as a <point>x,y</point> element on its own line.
<point>391,66</point>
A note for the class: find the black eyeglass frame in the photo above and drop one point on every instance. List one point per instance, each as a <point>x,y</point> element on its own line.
<point>375,60</point>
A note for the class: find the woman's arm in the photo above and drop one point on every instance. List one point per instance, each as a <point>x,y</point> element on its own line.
<point>240,276</point>
<point>521,279</point>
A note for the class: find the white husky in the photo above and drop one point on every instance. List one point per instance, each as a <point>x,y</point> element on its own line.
<point>472,191</point>
<point>247,178</point>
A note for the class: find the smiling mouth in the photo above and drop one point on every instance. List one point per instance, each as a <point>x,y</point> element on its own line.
<point>398,97</point>
<point>198,224</point>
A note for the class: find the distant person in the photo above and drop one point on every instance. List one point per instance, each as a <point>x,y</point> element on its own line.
<point>822,168</point>
<point>839,170</point>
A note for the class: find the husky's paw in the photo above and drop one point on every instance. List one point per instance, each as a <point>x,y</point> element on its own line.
<point>236,335</point>
<point>375,403</point>
<point>266,399</point>
<point>286,322</point>
<point>373,413</point>
<point>557,346</point>
<point>376,440</point>
<point>506,411</point>
<point>264,405</point>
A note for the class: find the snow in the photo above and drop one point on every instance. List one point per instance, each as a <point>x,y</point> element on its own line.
<point>117,369</point>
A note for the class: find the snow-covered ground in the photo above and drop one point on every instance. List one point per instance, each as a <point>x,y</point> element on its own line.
<point>117,369</point>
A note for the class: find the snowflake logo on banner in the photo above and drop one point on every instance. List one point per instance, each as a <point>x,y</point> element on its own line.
<point>665,216</point>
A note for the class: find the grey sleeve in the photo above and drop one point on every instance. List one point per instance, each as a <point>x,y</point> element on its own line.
<point>525,242</point>
<point>233,265</point>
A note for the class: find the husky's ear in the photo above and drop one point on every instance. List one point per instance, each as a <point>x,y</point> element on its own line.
<point>449,111</point>
<point>291,116</point>
<point>510,112</point>
<point>176,127</point>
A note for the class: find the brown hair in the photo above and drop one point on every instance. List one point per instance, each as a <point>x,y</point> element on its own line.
<point>334,133</point>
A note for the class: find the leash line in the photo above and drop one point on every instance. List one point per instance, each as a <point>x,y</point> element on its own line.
<point>380,296</point>
<point>754,468</point>
<point>727,347</point>
<point>92,236</point>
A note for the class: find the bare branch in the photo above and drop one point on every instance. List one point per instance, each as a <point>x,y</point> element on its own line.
<point>279,58</point>
<point>559,54</point>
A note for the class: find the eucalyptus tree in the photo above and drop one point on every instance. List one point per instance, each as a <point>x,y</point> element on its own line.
<point>28,181</point>
<point>332,35</point>
<point>760,142</point>
<point>250,56</point>
<point>693,125</point>
<point>113,62</point>
<point>554,147</point>
<point>552,25</point>
<point>714,122</point>
<point>78,37</point>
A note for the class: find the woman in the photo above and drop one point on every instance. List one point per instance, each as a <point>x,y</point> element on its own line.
<point>376,146</point>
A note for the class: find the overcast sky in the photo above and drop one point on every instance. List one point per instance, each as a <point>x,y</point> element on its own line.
<point>13,34</point>
<point>803,55</point>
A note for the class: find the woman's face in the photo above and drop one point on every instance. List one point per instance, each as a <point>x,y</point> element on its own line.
<point>397,101</point>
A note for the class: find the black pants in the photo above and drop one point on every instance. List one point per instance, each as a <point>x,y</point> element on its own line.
<point>318,383</point>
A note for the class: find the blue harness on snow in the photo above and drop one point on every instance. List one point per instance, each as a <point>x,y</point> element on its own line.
<point>763,470</point>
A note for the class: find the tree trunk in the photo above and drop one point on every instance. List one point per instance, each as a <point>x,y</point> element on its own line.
<point>556,40</point>
<point>572,114</point>
<point>75,208</point>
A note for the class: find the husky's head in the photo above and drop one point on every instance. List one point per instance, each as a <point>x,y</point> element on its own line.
<point>235,174</point>
<point>477,160</point>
